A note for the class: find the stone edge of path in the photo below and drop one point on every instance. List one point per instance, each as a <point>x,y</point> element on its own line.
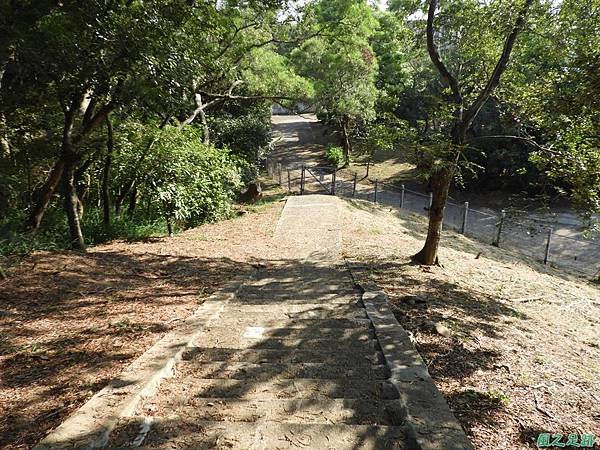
<point>91,425</point>
<point>429,423</point>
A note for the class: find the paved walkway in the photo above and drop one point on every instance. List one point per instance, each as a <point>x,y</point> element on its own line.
<point>291,362</point>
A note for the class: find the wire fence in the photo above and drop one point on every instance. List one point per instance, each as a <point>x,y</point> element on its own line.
<point>526,235</point>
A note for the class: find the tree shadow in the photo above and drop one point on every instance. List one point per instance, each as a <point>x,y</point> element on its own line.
<point>310,376</point>
<point>71,322</point>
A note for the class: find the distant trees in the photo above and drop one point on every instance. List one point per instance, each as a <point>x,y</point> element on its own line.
<point>557,93</point>
<point>131,108</point>
<point>342,64</point>
<point>155,69</point>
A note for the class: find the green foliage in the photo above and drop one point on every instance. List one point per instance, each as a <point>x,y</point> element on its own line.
<point>152,64</point>
<point>246,132</point>
<point>341,63</point>
<point>271,74</point>
<point>15,241</point>
<point>335,155</point>
<point>191,181</point>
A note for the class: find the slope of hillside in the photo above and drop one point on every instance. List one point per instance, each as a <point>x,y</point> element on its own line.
<point>519,352</point>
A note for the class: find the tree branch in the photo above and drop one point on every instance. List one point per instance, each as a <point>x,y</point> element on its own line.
<point>524,139</point>
<point>501,65</point>
<point>434,54</point>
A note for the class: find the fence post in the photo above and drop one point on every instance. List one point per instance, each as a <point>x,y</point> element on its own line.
<point>376,187</point>
<point>430,200</point>
<point>302,177</point>
<point>500,225</point>
<point>465,216</point>
<point>279,174</point>
<point>333,179</point>
<point>547,253</point>
<point>289,180</point>
<point>402,196</point>
<point>354,185</point>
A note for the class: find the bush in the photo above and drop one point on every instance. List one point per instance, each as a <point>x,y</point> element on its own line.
<point>335,155</point>
<point>191,182</point>
<point>53,235</point>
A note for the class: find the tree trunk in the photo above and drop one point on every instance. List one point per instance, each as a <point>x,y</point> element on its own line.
<point>205,128</point>
<point>123,193</point>
<point>346,144</point>
<point>440,184</point>
<point>169,225</point>
<point>71,203</point>
<point>133,197</point>
<point>110,143</point>
<point>45,195</point>
<point>4,142</point>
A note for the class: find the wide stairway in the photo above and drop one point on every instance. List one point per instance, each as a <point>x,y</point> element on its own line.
<point>290,363</point>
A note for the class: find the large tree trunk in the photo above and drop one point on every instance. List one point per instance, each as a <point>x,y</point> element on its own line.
<point>441,179</point>
<point>440,184</point>
<point>71,202</point>
<point>45,195</point>
<point>110,144</point>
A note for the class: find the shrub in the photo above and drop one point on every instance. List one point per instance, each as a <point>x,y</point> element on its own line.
<point>191,181</point>
<point>335,155</point>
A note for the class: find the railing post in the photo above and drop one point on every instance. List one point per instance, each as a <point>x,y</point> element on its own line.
<point>402,196</point>
<point>279,174</point>
<point>376,188</point>
<point>500,225</point>
<point>302,178</point>
<point>289,180</point>
<point>333,179</point>
<point>354,185</point>
<point>430,200</point>
<point>463,228</point>
<point>547,252</point>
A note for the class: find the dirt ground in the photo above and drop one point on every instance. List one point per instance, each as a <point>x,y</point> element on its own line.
<point>385,166</point>
<point>522,353</point>
<point>70,322</point>
<point>522,356</point>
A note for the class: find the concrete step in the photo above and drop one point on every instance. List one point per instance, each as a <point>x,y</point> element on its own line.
<point>278,309</point>
<point>274,388</point>
<point>301,284</point>
<point>363,369</point>
<point>273,312</point>
<point>295,292</point>
<point>174,432</point>
<point>262,356</point>
<point>262,320</point>
<point>291,298</point>
<point>328,411</point>
<point>212,338</point>
<point>262,333</point>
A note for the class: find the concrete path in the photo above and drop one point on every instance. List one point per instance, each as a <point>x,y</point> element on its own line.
<point>310,229</point>
<point>291,362</point>
<point>295,357</point>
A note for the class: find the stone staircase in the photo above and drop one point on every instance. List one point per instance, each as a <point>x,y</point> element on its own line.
<point>291,362</point>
